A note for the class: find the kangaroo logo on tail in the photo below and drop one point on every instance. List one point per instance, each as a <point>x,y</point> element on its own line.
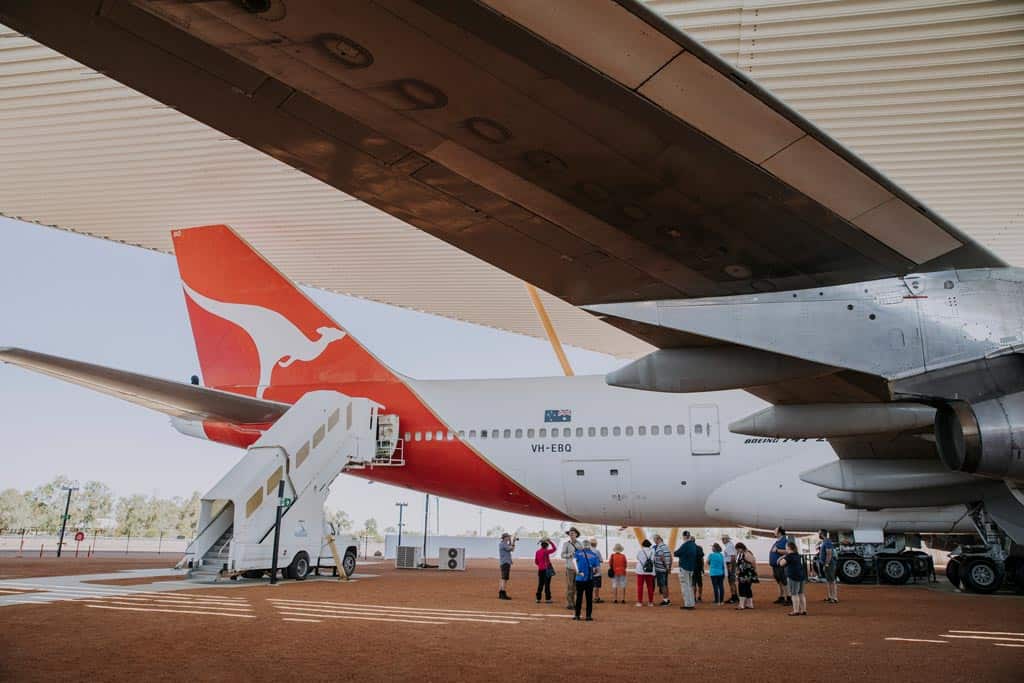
<point>278,341</point>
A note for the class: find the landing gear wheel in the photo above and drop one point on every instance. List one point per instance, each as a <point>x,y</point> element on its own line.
<point>982,575</point>
<point>348,563</point>
<point>896,572</point>
<point>850,570</point>
<point>953,566</point>
<point>253,574</point>
<point>299,568</point>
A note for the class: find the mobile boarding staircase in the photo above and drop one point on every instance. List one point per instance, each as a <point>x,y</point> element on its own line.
<point>318,437</point>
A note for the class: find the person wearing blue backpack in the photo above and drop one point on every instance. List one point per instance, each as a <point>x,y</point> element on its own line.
<point>587,567</point>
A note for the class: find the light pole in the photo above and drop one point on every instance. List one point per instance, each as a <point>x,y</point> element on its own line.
<point>64,520</point>
<point>401,508</point>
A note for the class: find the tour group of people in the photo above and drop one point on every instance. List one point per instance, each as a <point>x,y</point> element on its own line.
<point>728,564</point>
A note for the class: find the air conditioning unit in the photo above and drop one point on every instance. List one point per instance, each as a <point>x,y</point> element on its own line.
<point>408,557</point>
<point>452,559</point>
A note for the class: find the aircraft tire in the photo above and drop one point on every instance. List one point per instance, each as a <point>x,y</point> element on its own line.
<point>896,572</point>
<point>299,568</point>
<point>982,575</point>
<point>953,572</point>
<point>850,570</point>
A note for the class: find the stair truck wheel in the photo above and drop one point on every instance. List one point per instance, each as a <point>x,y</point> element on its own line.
<point>850,570</point>
<point>982,575</point>
<point>253,574</point>
<point>896,572</point>
<point>299,568</point>
<point>953,566</point>
<point>348,563</point>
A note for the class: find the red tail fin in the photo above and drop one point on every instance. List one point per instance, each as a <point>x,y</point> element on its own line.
<point>257,333</point>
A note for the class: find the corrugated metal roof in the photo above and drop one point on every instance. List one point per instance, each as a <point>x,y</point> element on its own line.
<point>931,92</point>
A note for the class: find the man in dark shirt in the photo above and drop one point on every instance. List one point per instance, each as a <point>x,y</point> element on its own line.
<point>777,552</point>
<point>687,554</point>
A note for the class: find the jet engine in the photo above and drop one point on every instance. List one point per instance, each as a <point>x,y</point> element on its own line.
<point>984,438</point>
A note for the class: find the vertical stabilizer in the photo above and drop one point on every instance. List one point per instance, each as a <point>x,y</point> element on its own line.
<point>256,332</point>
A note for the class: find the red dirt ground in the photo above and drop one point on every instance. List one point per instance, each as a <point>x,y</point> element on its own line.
<point>836,642</point>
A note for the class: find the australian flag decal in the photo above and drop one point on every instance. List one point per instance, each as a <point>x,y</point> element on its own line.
<point>558,415</point>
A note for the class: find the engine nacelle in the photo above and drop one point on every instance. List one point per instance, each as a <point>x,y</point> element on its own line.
<point>985,438</point>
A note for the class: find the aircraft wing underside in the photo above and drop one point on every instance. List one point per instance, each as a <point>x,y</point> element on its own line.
<point>587,147</point>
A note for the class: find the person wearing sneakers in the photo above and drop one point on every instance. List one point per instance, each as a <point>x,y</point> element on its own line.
<point>662,568</point>
<point>796,579</point>
<point>687,554</point>
<point>617,571</point>
<point>828,560</point>
<point>597,579</point>
<point>505,548</point>
<point>729,551</point>
<point>776,553</point>
<point>569,549</point>
<point>645,574</point>
<point>587,567</point>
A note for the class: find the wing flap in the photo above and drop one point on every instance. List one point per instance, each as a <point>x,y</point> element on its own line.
<point>176,399</point>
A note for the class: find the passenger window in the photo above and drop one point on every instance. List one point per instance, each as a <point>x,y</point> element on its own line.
<point>613,473</point>
<point>451,437</point>
<point>698,428</point>
<point>668,430</point>
<point>654,430</point>
<point>472,433</point>
<point>554,432</point>
<point>530,433</point>
<point>408,436</point>
<point>543,432</point>
<point>419,435</point>
<point>462,433</point>
<point>519,433</point>
<point>579,432</point>
<point>495,433</point>
<point>439,436</point>
<point>483,433</point>
<point>629,431</point>
<point>428,436</point>
<point>579,473</point>
<point>616,431</point>
<point>507,434</point>
<point>641,431</point>
<point>604,431</point>
<point>680,429</point>
<point>591,431</point>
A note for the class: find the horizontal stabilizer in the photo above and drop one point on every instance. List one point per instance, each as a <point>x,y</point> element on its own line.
<point>880,475</point>
<point>830,420</point>
<point>176,399</point>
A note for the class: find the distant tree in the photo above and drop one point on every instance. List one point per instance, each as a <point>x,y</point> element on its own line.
<point>188,516</point>
<point>94,501</point>
<point>15,510</point>
<point>370,529</point>
<point>47,502</point>
<point>496,531</point>
<point>342,522</point>
<point>390,530</point>
<point>132,515</point>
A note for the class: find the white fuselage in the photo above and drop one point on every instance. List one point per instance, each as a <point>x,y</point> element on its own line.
<point>640,458</point>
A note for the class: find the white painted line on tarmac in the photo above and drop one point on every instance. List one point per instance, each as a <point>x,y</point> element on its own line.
<point>423,612</point>
<point>453,612</point>
<point>173,611</point>
<point>1006,645</point>
<point>987,633</point>
<point>919,640</point>
<point>177,601</point>
<point>308,621</point>
<point>327,611</point>
<point>1015,640</point>
<point>114,601</point>
<point>340,616</point>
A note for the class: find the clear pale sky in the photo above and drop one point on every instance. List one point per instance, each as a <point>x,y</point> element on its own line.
<point>121,306</point>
